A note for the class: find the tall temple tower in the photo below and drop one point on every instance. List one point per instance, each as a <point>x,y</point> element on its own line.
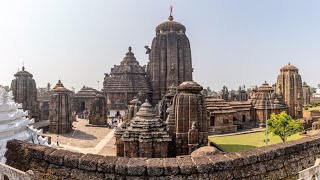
<point>289,84</point>
<point>170,58</point>
<point>24,90</point>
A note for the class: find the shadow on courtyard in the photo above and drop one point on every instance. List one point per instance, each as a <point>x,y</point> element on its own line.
<point>235,147</point>
<point>78,134</point>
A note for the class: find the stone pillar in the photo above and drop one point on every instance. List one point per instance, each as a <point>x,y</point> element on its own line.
<point>60,114</point>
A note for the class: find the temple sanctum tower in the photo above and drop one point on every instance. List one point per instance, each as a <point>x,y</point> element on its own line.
<point>24,90</point>
<point>290,84</point>
<point>170,58</point>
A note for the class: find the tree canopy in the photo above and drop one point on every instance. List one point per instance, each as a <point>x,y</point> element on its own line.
<point>283,125</point>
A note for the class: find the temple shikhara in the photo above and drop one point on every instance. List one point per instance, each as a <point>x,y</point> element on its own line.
<point>154,121</point>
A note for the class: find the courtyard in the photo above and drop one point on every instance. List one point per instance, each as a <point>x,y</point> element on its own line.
<point>86,139</point>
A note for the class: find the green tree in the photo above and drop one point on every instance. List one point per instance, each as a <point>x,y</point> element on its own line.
<point>283,125</point>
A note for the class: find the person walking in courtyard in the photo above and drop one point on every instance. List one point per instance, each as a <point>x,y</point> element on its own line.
<point>57,140</point>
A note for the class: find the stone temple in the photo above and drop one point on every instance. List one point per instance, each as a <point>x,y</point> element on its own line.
<point>24,91</point>
<point>126,81</point>
<point>60,114</point>
<point>170,58</point>
<point>146,136</point>
<point>290,83</point>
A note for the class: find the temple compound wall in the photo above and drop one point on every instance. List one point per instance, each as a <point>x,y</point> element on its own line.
<point>278,161</point>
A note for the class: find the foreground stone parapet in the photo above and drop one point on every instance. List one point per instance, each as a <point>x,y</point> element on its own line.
<point>283,160</point>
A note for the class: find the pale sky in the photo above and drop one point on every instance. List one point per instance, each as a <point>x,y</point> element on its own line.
<point>233,42</point>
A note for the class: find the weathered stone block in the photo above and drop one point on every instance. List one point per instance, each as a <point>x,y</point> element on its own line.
<point>186,165</point>
<point>89,162</point>
<point>137,166</point>
<point>121,165</point>
<point>155,167</point>
<point>171,166</point>
<point>107,164</point>
<point>72,159</point>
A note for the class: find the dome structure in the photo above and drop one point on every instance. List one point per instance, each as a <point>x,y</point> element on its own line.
<point>289,67</point>
<point>170,26</point>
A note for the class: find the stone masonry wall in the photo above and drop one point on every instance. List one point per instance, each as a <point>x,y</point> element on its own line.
<point>273,162</point>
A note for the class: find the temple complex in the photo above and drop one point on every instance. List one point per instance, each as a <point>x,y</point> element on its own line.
<point>266,101</point>
<point>145,137</point>
<point>290,84</point>
<point>170,58</point>
<point>24,91</point>
<point>44,101</point>
<point>126,81</point>
<point>60,115</point>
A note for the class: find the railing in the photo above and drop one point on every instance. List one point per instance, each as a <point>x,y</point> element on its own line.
<point>312,173</point>
<point>10,173</point>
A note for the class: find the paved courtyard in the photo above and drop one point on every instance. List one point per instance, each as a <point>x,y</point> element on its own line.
<point>86,139</point>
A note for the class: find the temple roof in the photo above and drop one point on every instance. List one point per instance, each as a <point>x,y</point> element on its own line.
<point>60,87</point>
<point>23,73</point>
<point>265,97</point>
<point>86,92</point>
<point>289,67</point>
<point>171,25</point>
<point>129,76</point>
<point>218,106</point>
<point>190,86</point>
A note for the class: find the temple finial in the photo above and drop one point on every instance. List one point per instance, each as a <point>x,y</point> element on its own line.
<point>130,49</point>
<point>171,17</point>
<point>23,66</point>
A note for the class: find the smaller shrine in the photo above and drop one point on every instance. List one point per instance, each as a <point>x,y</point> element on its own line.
<point>98,111</point>
<point>146,136</point>
<point>60,114</point>
<point>266,101</point>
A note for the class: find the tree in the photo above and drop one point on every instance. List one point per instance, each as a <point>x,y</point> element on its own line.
<point>283,125</point>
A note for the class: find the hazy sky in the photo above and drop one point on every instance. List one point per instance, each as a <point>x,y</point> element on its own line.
<point>233,42</point>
